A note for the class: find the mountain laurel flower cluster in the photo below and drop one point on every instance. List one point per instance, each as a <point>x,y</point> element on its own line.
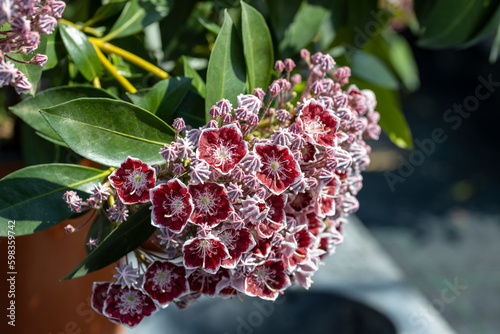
<point>250,203</point>
<point>28,19</point>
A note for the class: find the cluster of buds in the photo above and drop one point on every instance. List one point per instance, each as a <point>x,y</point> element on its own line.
<point>249,203</point>
<point>28,19</point>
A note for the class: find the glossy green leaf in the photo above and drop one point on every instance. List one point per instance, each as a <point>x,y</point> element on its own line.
<point>226,68</point>
<point>32,72</point>
<point>451,23</point>
<point>137,96</point>
<point>136,15</point>
<point>192,110</point>
<point>124,239</point>
<point>197,82</point>
<point>392,119</point>
<point>402,61</point>
<point>305,26</point>
<point>107,131</point>
<point>495,48</point>
<point>81,51</point>
<point>210,26</point>
<point>51,51</point>
<point>106,11</point>
<point>362,22</point>
<point>394,51</point>
<point>257,47</point>
<point>164,98</point>
<point>101,223</point>
<point>485,30</point>
<point>368,67</point>
<point>287,10</point>
<point>27,109</point>
<point>32,196</point>
<point>38,149</point>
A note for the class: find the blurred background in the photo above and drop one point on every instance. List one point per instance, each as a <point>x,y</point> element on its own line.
<point>434,209</point>
<point>443,221</point>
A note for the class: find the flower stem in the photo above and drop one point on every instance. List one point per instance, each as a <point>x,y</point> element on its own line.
<point>86,29</point>
<point>96,82</point>
<point>110,48</point>
<point>112,70</point>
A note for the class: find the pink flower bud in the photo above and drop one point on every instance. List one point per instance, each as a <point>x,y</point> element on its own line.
<point>253,119</point>
<point>289,64</point>
<point>305,54</point>
<point>57,8</point>
<point>39,59</point>
<point>296,79</point>
<point>21,84</point>
<point>279,66</point>
<point>259,93</point>
<point>46,24</point>
<point>215,112</point>
<point>69,229</point>
<point>275,88</point>
<point>178,124</point>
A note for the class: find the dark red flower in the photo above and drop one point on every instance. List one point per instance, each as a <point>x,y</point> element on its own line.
<point>304,239</point>
<point>164,281</point>
<point>99,296</point>
<point>211,204</point>
<point>315,225</point>
<point>262,247</point>
<point>222,148</point>
<point>206,283</point>
<point>133,180</point>
<point>267,280</point>
<point>309,152</point>
<point>318,124</point>
<point>237,242</point>
<point>128,304</point>
<point>172,205</point>
<point>302,201</point>
<point>275,220</point>
<point>279,168</point>
<point>205,253</point>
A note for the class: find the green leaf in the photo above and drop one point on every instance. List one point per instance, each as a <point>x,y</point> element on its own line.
<point>287,10</point>
<point>32,72</point>
<point>81,51</point>
<point>136,15</point>
<point>106,11</point>
<point>164,98</point>
<point>257,47</point>
<point>107,131</point>
<point>137,96</point>
<point>226,67</point>
<point>105,226</point>
<point>392,119</point>
<point>370,68</point>
<point>452,23</point>
<point>124,239</point>
<point>192,110</point>
<point>32,196</point>
<point>402,61</point>
<point>495,48</point>
<point>394,51</point>
<point>51,51</point>
<point>38,149</point>
<point>196,82</point>
<point>305,26</point>
<point>362,22</point>
<point>486,30</point>
<point>27,110</point>
<point>210,26</point>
